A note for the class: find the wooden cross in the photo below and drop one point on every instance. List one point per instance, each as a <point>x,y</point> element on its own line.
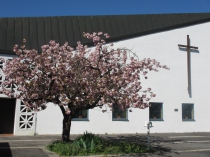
<point>188,47</point>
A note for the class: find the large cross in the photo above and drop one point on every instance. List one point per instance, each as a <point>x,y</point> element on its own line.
<point>188,47</point>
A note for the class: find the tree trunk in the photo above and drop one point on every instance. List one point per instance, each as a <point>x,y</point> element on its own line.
<point>66,128</point>
<point>67,118</point>
<point>66,125</point>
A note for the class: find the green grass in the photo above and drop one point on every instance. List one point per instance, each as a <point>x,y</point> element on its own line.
<point>91,144</point>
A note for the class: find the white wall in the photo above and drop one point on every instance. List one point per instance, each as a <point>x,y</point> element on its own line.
<point>170,87</point>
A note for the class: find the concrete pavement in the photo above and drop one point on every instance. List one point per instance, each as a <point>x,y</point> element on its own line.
<point>171,144</point>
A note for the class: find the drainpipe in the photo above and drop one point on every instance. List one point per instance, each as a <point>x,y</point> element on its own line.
<point>35,116</point>
<point>148,124</point>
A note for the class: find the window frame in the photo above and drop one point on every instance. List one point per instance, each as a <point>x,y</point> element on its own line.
<point>156,119</point>
<point>193,108</point>
<point>82,119</point>
<point>120,119</point>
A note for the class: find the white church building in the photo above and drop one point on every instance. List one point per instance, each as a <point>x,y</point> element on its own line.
<point>180,41</point>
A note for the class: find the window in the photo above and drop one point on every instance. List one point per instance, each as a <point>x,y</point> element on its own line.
<point>26,119</point>
<point>187,112</point>
<point>156,111</point>
<point>82,115</point>
<point>118,114</point>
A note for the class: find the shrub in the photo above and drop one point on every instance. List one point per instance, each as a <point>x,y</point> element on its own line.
<point>91,144</point>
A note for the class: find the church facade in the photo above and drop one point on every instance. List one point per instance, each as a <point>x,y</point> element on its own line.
<point>180,41</point>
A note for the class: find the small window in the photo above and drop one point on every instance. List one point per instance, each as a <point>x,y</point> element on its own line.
<point>82,115</point>
<point>118,114</point>
<point>156,111</point>
<point>187,112</point>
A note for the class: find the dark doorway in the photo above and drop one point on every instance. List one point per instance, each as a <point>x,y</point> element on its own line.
<point>7,115</point>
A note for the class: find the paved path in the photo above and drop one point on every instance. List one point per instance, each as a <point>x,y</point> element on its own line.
<point>170,145</point>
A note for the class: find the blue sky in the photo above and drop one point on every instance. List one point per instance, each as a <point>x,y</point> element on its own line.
<point>29,8</point>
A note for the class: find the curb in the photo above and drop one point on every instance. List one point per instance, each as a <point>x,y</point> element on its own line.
<point>49,153</point>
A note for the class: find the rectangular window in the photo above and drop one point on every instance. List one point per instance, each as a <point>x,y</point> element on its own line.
<point>156,111</point>
<point>187,112</point>
<point>118,114</point>
<point>82,115</point>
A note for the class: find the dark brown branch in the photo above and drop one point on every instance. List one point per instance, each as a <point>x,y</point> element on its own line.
<point>86,107</point>
<point>91,67</point>
<point>51,85</point>
<point>62,110</point>
<point>105,73</point>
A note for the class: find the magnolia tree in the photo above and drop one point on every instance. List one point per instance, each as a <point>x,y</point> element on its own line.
<point>78,79</point>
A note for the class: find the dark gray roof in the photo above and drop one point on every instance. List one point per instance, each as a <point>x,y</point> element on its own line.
<point>40,30</point>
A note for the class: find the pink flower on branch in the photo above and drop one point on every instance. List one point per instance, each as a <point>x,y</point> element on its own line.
<point>81,78</point>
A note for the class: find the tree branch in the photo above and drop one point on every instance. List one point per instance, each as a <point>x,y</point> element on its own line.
<point>88,106</point>
<point>62,110</point>
<point>51,85</point>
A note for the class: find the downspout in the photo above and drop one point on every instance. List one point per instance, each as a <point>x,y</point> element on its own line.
<point>35,116</point>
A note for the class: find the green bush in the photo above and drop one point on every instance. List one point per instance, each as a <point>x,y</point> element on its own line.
<point>91,144</point>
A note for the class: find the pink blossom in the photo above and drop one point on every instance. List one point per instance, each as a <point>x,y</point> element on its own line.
<point>148,89</point>
<point>68,111</point>
<point>77,78</point>
<point>100,33</point>
<point>147,99</point>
